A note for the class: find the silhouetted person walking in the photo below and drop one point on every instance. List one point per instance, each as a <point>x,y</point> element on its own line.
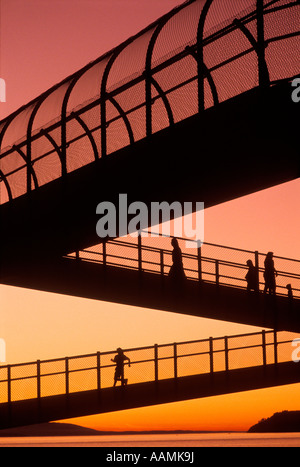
<point>269,274</point>
<point>176,273</point>
<point>119,360</point>
<point>251,277</point>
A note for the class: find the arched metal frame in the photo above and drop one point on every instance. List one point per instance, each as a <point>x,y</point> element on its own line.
<point>7,186</point>
<point>25,158</point>
<point>148,79</point>
<point>88,133</point>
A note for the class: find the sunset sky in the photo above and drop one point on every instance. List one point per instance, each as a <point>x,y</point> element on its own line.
<point>42,42</point>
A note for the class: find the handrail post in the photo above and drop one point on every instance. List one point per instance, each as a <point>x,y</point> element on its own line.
<point>175,360</point>
<point>217,265</point>
<point>38,388</point>
<point>162,268</point>
<point>140,252</point>
<point>98,371</point>
<point>275,347</point>
<point>104,253</point>
<point>156,362</point>
<point>226,353</point>
<point>199,260</point>
<point>264,348</point>
<point>256,259</point>
<point>211,355</point>
<point>9,394</point>
<point>161,252</point>
<point>9,384</point>
<point>67,383</point>
<point>38,378</point>
<point>99,376</point>
<point>67,375</point>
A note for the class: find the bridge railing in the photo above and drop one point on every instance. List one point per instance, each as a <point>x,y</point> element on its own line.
<point>213,263</point>
<point>42,378</point>
<point>193,58</point>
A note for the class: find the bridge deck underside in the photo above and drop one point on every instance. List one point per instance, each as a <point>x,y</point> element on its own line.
<point>129,287</point>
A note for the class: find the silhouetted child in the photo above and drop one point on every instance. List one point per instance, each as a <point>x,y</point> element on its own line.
<point>290,291</point>
<point>251,277</point>
<point>119,360</point>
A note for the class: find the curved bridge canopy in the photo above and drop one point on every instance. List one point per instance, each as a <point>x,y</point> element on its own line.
<point>197,56</point>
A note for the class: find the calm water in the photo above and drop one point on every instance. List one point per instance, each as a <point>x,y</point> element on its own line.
<point>165,440</point>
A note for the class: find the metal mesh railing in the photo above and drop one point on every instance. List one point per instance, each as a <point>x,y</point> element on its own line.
<point>211,263</point>
<point>75,374</point>
<point>188,61</point>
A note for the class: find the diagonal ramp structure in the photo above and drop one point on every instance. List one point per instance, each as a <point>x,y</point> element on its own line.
<point>196,107</point>
<point>41,391</point>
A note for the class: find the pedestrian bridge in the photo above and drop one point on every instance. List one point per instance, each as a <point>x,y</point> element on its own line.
<point>201,115</point>
<point>47,390</point>
<point>135,271</point>
<point>197,107</point>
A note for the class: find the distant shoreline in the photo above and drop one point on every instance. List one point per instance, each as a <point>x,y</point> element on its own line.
<point>69,429</point>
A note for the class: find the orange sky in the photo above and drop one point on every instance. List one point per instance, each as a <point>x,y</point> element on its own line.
<point>41,325</point>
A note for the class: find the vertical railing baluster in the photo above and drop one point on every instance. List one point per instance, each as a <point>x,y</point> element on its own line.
<point>67,384</point>
<point>275,347</point>
<point>211,355</point>
<point>175,360</point>
<point>226,353</point>
<point>38,378</point>
<point>199,260</point>
<point>217,266</point>
<point>9,395</point>
<point>161,252</point>
<point>98,371</point>
<point>104,253</point>
<point>256,260</point>
<point>140,253</point>
<point>264,348</point>
<point>38,384</point>
<point>8,384</point>
<point>67,376</point>
<point>156,362</point>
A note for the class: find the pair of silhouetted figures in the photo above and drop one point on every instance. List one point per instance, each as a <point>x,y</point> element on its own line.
<point>270,275</point>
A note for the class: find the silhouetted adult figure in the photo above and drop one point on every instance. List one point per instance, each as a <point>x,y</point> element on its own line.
<point>251,277</point>
<point>269,274</point>
<point>119,360</point>
<point>177,274</point>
